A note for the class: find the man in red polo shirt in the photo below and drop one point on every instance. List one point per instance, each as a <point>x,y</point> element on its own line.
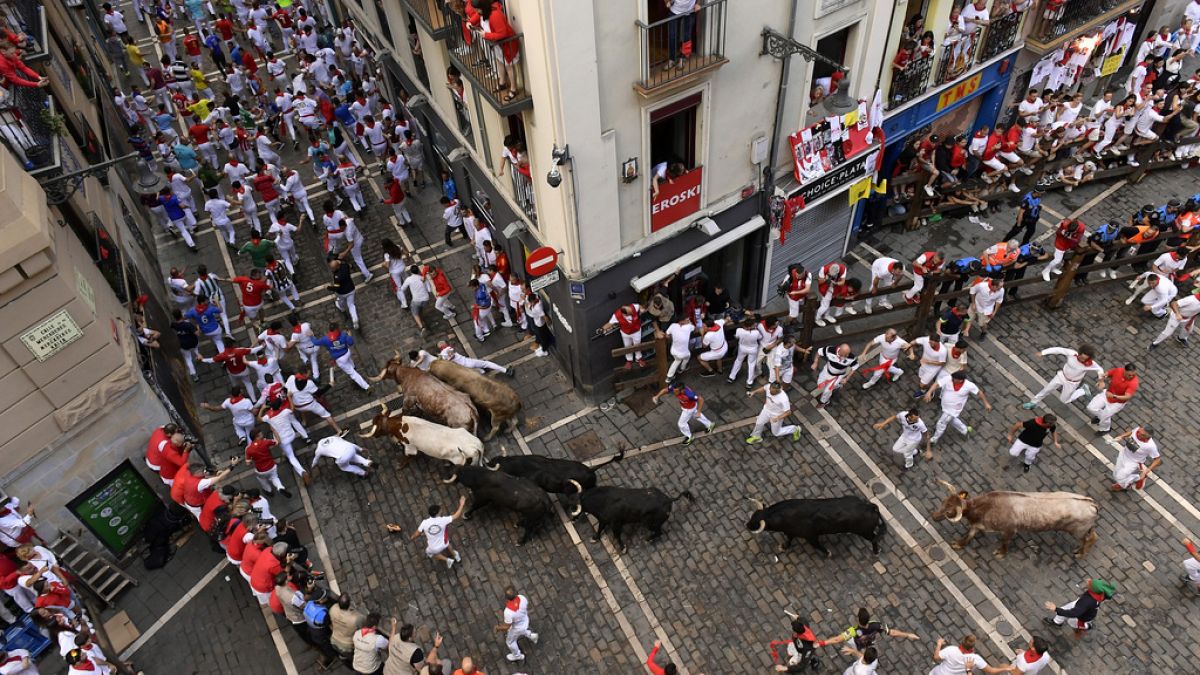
<point>197,485</point>
<point>264,185</point>
<point>1120,385</point>
<point>199,131</point>
<point>258,454</point>
<point>252,287</point>
<point>216,499</point>
<point>234,360</point>
<point>174,455</point>
<point>154,445</point>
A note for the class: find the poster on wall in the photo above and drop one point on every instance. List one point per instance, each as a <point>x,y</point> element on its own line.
<point>821,147</point>
<point>117,507</point>
<point>1096,54</point>
<point>676,200</point>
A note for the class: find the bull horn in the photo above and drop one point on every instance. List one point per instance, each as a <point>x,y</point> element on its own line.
<point>758,504</point>
<point>958,514</point>
<point>953,490</point>
<point>577,510</point>
<point>503,451</point>
<point>492,466</point>
<point>396,354</point>
<point>370,434</point>
<point>383,408</point>
<point>453,477</point>
<point>762,525</point>
<point>578,487</point>
<point>378,377</point>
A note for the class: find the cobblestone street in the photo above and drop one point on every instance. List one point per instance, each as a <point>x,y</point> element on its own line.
<point>712,592</point>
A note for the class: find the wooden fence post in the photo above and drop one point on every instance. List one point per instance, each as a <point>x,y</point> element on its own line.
<point>915,205</point>
<point>809,322</point>
<point>661,358</point>
<point>924,306</point>
<point>1063,286</point>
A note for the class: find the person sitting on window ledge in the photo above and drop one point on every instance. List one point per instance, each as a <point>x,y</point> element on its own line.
<point>664,171</point>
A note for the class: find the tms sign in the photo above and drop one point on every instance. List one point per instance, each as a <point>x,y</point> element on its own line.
<point>676,200</point>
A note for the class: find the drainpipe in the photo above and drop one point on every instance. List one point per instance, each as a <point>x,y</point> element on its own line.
<point>768,184</point>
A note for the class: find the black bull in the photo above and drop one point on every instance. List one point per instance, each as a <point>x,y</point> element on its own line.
<point>810,519</point>
<point>615,507</point>
<point>512,493</point>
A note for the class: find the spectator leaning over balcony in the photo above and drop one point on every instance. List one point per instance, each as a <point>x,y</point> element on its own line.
<point>13,70</point>
<point>975,16</point>
<point>506,51</point>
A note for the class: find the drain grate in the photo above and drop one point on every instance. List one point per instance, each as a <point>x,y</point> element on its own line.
<point>640,401</point>
<point>585,446</point>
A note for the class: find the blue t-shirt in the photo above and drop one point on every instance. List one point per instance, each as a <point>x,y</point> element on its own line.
<point>343,115</point>
<point>171,204</point>
<point>1032,206</point>
<point>214,44</point>
<point>164,121</point>
<point>337,347</point>
<point>450,189</point>
<point>482,298</point>
<point>186,157</point>
<point>209,320</point>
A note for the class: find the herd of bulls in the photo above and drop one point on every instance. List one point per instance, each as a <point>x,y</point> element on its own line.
<point>440,418</point>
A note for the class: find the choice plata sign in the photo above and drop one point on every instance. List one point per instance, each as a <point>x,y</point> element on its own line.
<point>676,200</point>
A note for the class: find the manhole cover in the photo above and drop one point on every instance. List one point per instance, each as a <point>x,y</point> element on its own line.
<point>1004,628</point>
<point>878,487</point>
<point>640,401</point>
<point>937,553</point>
<point>586,445</point>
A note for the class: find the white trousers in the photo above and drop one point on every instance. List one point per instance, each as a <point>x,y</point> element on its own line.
<point>485,323</point>
<point>511,637</point>
<point>345,303</point>
<point>356,253</point>
<point>679,363</point>
<point>355,195</point>
<point>1192,567</point>
<point>906,447</point>
<point>827,383</point>
<point>1073,623</point>
<point>632,340</point>
<point>346,363</point>
<point>1181,329</point>
<point>189,360</point>
<point>1125,472</point>
<point>946,419</point>
<point>892,371</point>
<point>225,225</point>
<point>310,354</point>
<point>823,308</point>
<point>778,428</point>
<point>686,415</point>
<point>1103,409</point>
<point>354,463</point>
<point>443,305</point>
<point>750,358</point>
<point>286,446</point>
<point>918,285</point>
<point>269,480</point>
<point>483,364</point>
<point>243,379</point>
<point>1070,390</point>
<point>402,214</point>
<point>927,374</point>
<point>244,431</point>
<point>1018,448</point>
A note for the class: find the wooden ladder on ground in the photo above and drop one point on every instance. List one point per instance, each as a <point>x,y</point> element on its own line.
<point>95,572</point>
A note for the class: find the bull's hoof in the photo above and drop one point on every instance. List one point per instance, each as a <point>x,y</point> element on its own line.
<point>1080,554</point>
<point>520,543</point>
<point>1000,554</point>
<point>828,554</point>
<point>623,550</point>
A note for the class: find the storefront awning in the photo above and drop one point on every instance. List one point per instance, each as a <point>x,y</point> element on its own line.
<point>641,283</point>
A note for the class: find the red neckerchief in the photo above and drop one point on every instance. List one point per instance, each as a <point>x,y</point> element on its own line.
<point>367,631</point>
<point>958,385</point>
<point>1031,656</point>
<point>514,604</point>
<point>272,331</point>
<point>86,664</point>
<point>1088,362</point>
<point>715,327</point>
<point>297,329</point>
<point>200,307</point>
<point>334,334</point>
<point>1098,597</point>
<point>235,399</point>
<point>1040,421</point>
<point>956,349</point>
<point>939,346</point>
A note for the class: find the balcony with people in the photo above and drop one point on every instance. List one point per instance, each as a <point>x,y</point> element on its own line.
<point>23,23</point>
<point>29,123</point>
<point>682,40</point>
<point>488,51</point>
<point>1056,21</point>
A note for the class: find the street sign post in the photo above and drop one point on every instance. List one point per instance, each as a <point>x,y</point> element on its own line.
<point>540,261</point>
<point>543,281</point>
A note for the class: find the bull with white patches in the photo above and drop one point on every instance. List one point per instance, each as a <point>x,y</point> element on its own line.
<point>810,519</point>
<point>436,400</point>
<point>1010,512</point>
<point>457,446</point>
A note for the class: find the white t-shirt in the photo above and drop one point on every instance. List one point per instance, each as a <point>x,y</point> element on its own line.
<point>986,300</point>
<point>715,339</point>
<point>748,340</point>
<point>1167,263</point>
<point>301,396</point>
<point>436,531</point>
<point>860,668</point>
<point>777,404</point>
<point>881,269</point>
<point>954,662</point>
<point>970,15</point>
<point>1161,294</point>
<point>680,334</point>
<point>928,354</point>
<point>954,400</point>
<point>518,618</point>
<point>1146,450</point>
<point>911,433</point>
<point>1189,306</point>
<point>1027,108</point>
<point>416,288</point>
<point>1031,668</point>
<point>241,410</point>
<point>891,350</point>
<point>682,6</point>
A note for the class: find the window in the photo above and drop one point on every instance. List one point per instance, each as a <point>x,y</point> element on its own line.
<point>381,14</point>
<point>673,133</point>
<point>414,43</point>
<point>825,76</point>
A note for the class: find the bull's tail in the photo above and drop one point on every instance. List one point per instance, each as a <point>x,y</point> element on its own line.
<point>681,495</point>
<point>615,458</point>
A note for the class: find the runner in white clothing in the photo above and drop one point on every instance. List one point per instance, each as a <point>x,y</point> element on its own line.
<point>1035,657</point>
<point>749,340</point>
<point>956,389</point>
<point>1070,378</point>
<point>885,274</point>
<point>516,623</point>
<point>302,392</point>
<point>286,427</point>
<point>680,334</point>
<point>437,533</point>
<point>302,340</point>
<point>934,355</point>
<point>218,209</point>
<point>447,353</point>
<point>241,409</point>
<point>776,408</point>
<point>1137,458</point>
<point>912,432</point>
<point>716,347</point>
<point>890,345</point>
<point>345,454</point>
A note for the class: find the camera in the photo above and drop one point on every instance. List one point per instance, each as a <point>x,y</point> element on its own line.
<point>554,177</point>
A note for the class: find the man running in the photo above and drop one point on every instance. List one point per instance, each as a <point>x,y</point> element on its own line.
<point>776,408</point>
<point>840,363</point>
<point>437,533</point>
<point>1119,386</point>
<point>956,389</point>
<point>691,406</point>
<point>890,345</point>
<point>1031,438</point>
<point>1070,378</point>
<point>933,361</point>
<point>1131,468</point>
<point>912,432</point>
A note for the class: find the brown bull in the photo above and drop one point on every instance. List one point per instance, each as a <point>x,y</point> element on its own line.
<point>436,400</point>
<point>1008,512</point>
<point>499,399</point>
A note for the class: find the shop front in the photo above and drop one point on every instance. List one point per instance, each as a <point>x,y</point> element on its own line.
<point>959,108</point>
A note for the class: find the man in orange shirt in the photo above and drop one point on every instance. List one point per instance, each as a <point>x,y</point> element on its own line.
<point>1120,385</point>
<point>467,667</point>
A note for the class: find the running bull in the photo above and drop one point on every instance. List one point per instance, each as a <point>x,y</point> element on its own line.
<point>457,446</point>
<point>437,401</point>
<point>1008,512</point>
<point>615,507</point>
<point>497,398</point>
<point>526,499</point>
<point>562,476</point>
<point>810,519</point>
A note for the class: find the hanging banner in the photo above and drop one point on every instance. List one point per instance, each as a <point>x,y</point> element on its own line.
<point>676,200</point>
<point>860,190</point>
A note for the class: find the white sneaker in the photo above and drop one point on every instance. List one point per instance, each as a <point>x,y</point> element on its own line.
<point>515,657</point>
<point>851,311</point>
<point>868,384</point>
<point>820,323</point>
<point>973,218</point>
<point>885,304</point>
<point>929,190</point>
<point>533,637</point>
<point>540,352</point>
<point>1014,188</point>
<point>831,319</point>
<point>449,563</point>
<point>867,309</point>
<point>1046,275</point>
<point>1026,170</point>
<point>457,557</point>
<point>1068,188</point>
<point>837,329</point>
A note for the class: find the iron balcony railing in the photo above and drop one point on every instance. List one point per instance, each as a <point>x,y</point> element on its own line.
<point>682,45</point>
<point>433,15</point>
<point>957,57</point>
<point>1000,36</point>
<point>522,189</point>
<point>490,65</point>
<point>30,126</point>
<point>1072,14</point>
<point>911,82</point>
<point>27,17</point>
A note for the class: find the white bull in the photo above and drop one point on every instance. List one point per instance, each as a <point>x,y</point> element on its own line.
<point>417,435</point>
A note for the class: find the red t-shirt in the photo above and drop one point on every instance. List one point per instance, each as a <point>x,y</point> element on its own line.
<point>252,290</point>
<point>191,44</point>
<point>1118,385</point>
<point>208,513</point>
<point>259,452</point>
<point>265,185</point>
<point>1067,236</point>
<point>171,461</point>
<point>55,595</point>
<point>179,488</point>
<point>199,133</point>
<point>234,359</point>
<point>153,453</point>
<point>249,63</point>
<point>250,556</point>
<point>262,577</point>
<point>225,28</point>
<point>235,540</point>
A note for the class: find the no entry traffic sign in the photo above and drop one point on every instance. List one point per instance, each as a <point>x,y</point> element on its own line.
<point>540,261</point>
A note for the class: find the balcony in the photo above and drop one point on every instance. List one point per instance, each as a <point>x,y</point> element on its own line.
<point>522,191</point>
<point>489,65</point>
<point>30,126</point>
<point>910,83</point>
<point>677,49</point>
<point>28,17</point>
<point>433,15</point>
<point>957,58</point>
<point>1000,36</point>
<point>1075,18</point>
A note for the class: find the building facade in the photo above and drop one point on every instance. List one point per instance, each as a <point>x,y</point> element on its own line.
<point>604,101</point>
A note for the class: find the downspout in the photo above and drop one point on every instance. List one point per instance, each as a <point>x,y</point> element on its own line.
<point>768,186</point>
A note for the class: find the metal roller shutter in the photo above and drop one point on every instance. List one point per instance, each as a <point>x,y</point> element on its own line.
<point>819,234</point>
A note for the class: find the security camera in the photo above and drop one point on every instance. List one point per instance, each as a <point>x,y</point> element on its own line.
<point>558,155</point>
<point>554,177</point>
